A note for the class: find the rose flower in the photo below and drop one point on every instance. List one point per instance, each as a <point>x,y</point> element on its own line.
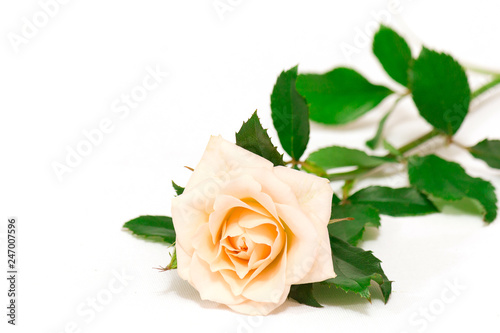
<point>247,230</point>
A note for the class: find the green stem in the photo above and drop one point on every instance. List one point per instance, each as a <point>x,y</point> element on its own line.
<point>346,189</point>
<point>347,175</point>
<point>485,87</point>
<point>458,144</point>
<point>481,70</point>
<point>415,143</point>
<point>354,174</point>
<point>418,141</point>
<point>375,141</point>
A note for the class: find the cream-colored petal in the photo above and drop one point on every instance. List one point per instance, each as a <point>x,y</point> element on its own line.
<point>276,188</point>
<point>315,197</point>
<point>247,189</point>
<point>263,200</point>
<point>210,284</point>
<point>264,233</point>
<point>228,244</point>
<point>259,254</point>
<point>258,208</point>
<point>268,285</point>
<point>279,245</point>
<point>203,244</point>
<point>244,255</point>
<point>223,160</point>
<point>233,257</point>
<point>222,262</point>
<point>233,228</point>
<point>221,163</point>
<point>187,215</point>
<point>252,308</point>
<point>238,284</point>
<point>302,241</point>
<point>322,268</point>
<point>224,206</point>
<point>240,266</point>
<point>314,194</point>
<point>243,186</point>
<point>183,262</point>
<point>250,219</point>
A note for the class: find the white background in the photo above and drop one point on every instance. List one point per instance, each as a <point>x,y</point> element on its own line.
<point>68,76</point>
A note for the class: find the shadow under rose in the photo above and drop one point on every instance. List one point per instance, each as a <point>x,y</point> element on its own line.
<point>184,290</point>
<point>332,296</point>
<point>327,296</point>
<point>179,287</point>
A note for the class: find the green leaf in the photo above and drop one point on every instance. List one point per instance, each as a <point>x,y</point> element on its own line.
<point>447,180</point>
<point>440,90</point>
<point>488,151</point>
<point>406,201</point>
<point>173,260</point>
<point>356,268</point>
<point>335,157</point>
<point>303,293</point>
<point>178,189</point>
<point>253,137</point>
<point>393,53</point>
<point>290,114</point>
<point>172,264</point>
<point>153,226</point>
<point>352,231</point>
<point>339,96</point>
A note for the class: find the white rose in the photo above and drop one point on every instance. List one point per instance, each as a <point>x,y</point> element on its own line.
<point>247,231</point>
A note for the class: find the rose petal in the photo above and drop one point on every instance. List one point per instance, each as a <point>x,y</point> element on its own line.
<point>268,285</point>
<point>221,262</point>
<point>265,233</point>
<point>259,254</point>
<point>233,228</point>
<point>223,160</point>
<point>314,195</point>
<point>240,266</point>
<point>183,262</point>
<point>187,215</point>
<point>211,285</point>
<point>247,230</point>
<point>222,208</point>
<point>252,308</point>
<point>302,241</point>
<point>322,268</point>
<point>278,190</point>
<point>203,244</point>
<point>247,189</point>
<point>238,284</point>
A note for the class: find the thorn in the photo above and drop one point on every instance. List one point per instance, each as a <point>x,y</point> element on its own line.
<point>189,168</point>
<point>162,269</point>
<point>343,219</point>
